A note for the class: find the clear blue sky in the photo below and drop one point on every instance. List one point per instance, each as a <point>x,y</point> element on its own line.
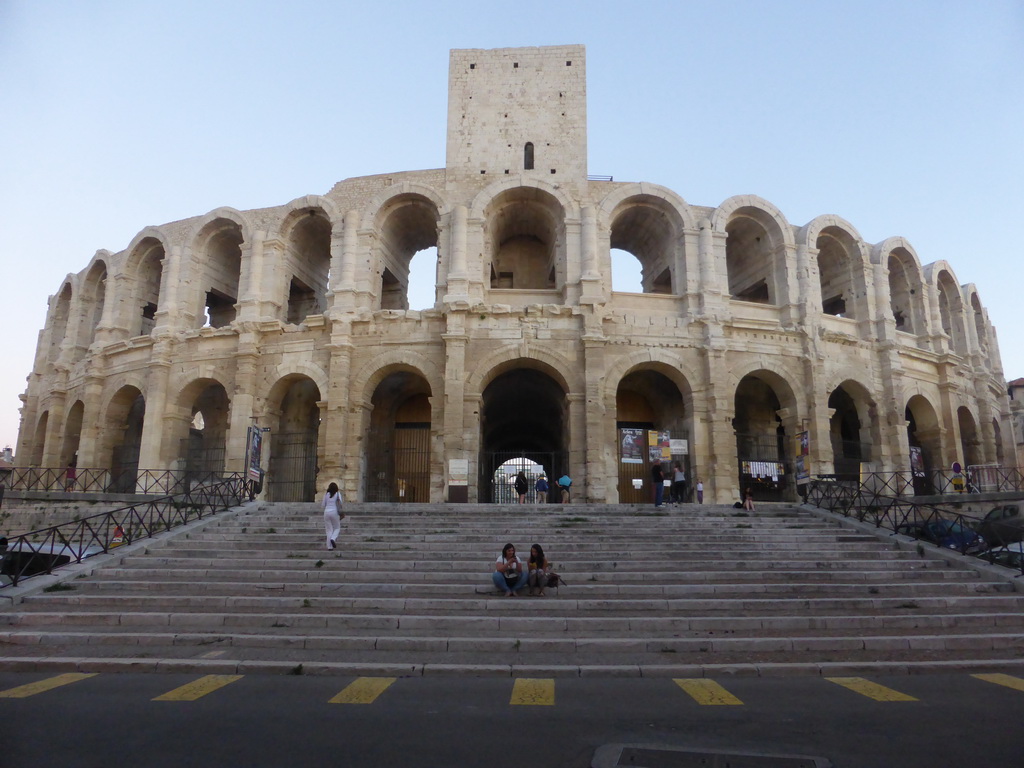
<point>904,118</point>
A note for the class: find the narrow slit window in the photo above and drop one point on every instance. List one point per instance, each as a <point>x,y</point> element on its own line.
<point>528,156</point>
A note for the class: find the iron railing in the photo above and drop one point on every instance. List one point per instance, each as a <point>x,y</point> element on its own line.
<point>41,551</point>
<point>900,514</point>
<point>164,482</point>
<point>939,482</point>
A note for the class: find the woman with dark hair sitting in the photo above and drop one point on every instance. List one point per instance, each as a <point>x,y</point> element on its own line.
<point>539,567</point>
<point>509,574</point>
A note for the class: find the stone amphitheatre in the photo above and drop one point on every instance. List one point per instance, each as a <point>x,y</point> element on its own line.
<point>751,335</point>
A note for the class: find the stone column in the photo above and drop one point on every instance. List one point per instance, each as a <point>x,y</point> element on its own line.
<point>457,279</point>
<point>92,420</point>
<point>153,454</point>
<point>242,403</point>
<point>455,403</point>
<point>339,450</point>
<point>596,443</point>
<point>592,290</point>
<point>578,465</point>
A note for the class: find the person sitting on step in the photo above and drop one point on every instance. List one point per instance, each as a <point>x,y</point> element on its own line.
<point>509,574</point>
<point>539,567</point>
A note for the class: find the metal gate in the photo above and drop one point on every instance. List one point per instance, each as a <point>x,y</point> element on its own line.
<point>291,475</point>
<point>762,466</point>
<point>398,467</point>
<point>498,469</point>
<point>202,464</point>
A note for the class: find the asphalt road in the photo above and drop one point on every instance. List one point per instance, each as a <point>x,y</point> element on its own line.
<point>938,721</point>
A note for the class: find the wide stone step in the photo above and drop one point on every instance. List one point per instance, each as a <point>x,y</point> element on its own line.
<point>435,585</point>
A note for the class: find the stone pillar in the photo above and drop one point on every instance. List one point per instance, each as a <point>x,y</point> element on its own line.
<point>455,401</point>
<point>242,403</point>
<point>457,279</point>
<point>153,454</point>
<point>92,421</point>
<point>596,444</point>
<point>339,450</point>
<point>592,289</point>
<point>577,422</point>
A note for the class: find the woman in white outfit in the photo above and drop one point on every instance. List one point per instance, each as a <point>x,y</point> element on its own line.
<point>332,514</point>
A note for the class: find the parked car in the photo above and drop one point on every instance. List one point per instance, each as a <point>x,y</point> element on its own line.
<point>1012,555</point>
<point>1003,525</point>
<point>945,533</point>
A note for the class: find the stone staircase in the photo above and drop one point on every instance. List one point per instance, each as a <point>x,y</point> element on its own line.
<point>684,591</point>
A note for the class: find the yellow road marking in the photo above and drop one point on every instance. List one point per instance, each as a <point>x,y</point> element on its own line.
<point>31,689</point>
<point>869,689</point>
<point>533,691</point>
<point>363,690</point>
<point>198,688</point>
<point>999,679</point>
<point>707,693</point>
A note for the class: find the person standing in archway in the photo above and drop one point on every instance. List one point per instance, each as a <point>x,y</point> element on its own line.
<point>521,486</point>
<point>658,478</point>
<point>542,490</point>
<point>564,483</point>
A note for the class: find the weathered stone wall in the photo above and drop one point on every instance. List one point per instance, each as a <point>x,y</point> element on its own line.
<point>306,334</point>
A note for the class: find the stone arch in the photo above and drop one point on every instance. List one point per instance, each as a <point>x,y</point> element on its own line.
<point>524,423</point>
<point>651,396</point>
<point>765,418</point>
<point>202,410</point>
<point>217,264</point>
<point>406,223</point>
<point>59,317</point>
<point>503,359</point>
<point>294,420</point>
<point>370,375</point>
<point>906,284</point>
<point>924,435</point>
<point>758,239</point>
<point>91,300</point>
<point>144,270</point>
<point>72,435</point>
<point>38,449</point>
<point>400,422</point>
<point>842,265</point>
<point>649,225</point>
<point>524,240</point>
<point>979,317</point>
<point>306,233</point>
<point>120,442</point>
<point>971,451</point>
<point>950,305</point>
<point>854,433</point>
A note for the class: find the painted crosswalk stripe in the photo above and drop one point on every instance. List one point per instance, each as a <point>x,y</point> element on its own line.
<point>707,693</point>
<point>869,689</point>
<point>198,688</point>
<point>533,691</point>
<point>31,689</point>
<point>999,679</point>
<point>363,690</point>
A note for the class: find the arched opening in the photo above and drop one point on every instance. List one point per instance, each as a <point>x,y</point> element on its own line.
<point>293,441</point>
<point>409,226</point>
<point>308,264</point>
<point>951,311</point>
<point>761,455</point>
<point>528,156</point>
<point>970,443</point>
<point>220,262</point>
<point>841,274</point>
<point>627,272</point>
<point>150,255</point>
<point>203,451</point>
<point>979,323</point>
<point>72,435</point>
<point>398,440</point>
<point>650,414</point>
<point>524,227</point>
<point>905,292</point>
<point>123,434</point>
<point>423,279</point>
<point>924,438</point>
<point>59,323</point>
<point>39,441</point>
<point>648,229</point>
<point>523,418</point>
<point>91,299</point>
<point>848,433</point>
<point>750,258</point>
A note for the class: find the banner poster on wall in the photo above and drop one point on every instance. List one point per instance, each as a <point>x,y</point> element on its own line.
<point>255,451</point>
<point>659,445</point>
<point>803,459</point>
<point>916,461</point>
<point>632,441</point>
